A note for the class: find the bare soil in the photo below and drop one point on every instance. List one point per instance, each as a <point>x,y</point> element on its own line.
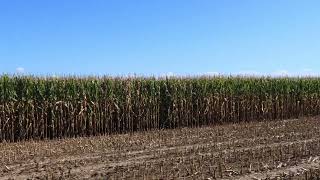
<point>288,149</point>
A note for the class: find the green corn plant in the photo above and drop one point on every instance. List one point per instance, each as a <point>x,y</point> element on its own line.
<point>48,107</point>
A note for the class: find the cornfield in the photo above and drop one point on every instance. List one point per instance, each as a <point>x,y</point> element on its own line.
<point>48,107</point>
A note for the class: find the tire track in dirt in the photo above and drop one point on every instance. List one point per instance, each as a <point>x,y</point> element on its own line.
<point>298,169</point>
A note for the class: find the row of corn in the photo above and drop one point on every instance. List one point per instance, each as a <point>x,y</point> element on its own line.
<point>48,107</point>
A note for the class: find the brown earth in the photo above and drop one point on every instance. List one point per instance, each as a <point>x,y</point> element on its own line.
<point>288,149</point>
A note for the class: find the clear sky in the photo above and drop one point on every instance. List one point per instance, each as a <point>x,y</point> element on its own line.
<point>159,36</point>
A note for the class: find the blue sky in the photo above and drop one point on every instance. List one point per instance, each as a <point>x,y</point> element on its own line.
<point>154,37</point>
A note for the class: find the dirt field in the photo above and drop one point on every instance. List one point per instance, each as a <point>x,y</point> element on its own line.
<point>257,150</point>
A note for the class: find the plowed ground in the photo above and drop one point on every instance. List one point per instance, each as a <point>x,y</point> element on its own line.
<point>288,149</point>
